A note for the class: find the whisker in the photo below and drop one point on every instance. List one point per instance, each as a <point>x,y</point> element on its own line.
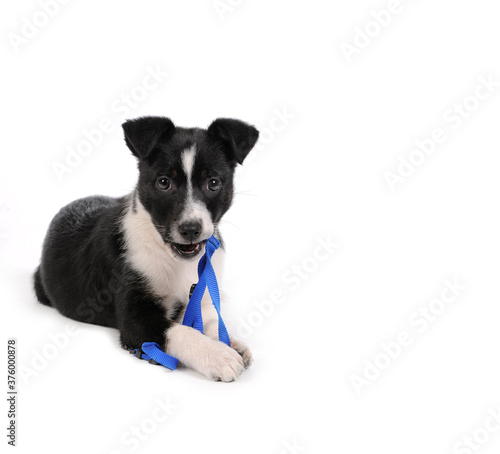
<point>232,223</point>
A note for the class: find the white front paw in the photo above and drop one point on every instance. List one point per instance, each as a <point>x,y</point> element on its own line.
<point>211,358</point>
<point>221,363</point>
<point>243,351</point>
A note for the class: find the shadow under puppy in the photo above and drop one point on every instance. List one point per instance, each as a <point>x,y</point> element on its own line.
<point>129,262</point>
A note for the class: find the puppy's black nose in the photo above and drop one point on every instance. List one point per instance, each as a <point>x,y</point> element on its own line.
<point>190,231</point>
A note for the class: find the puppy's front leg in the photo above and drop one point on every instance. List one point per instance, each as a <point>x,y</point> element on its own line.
<point>210,357</point>
<point>143,319</point>
<point>210,318</point>
<point>211,329</point>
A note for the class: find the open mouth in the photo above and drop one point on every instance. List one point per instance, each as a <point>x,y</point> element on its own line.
<point>187,250</point>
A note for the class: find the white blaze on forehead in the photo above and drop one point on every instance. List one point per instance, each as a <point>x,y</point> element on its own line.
<point>188,157</point>
<point>194,210</point>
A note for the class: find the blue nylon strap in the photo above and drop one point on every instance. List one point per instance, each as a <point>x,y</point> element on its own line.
<point>193,316</point>
<point>152,351</point>
<point>206,278</point>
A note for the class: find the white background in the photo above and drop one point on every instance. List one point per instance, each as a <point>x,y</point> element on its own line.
<point>319,174</point>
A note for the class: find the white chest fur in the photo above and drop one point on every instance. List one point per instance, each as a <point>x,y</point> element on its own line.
<point>168,277</point>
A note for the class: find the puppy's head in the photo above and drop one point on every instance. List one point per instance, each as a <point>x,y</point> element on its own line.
<point>186,175</point>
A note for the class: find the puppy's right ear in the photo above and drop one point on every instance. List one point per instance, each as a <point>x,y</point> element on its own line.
<point>142,134</point>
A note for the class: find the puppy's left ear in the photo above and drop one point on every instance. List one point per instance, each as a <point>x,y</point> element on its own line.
<point>142,134</point>
<point>238,135</point>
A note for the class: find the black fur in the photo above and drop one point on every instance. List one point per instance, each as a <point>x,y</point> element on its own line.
<point>84,273</point>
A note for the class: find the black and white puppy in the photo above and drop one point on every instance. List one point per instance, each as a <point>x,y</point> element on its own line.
<point>129,263</point>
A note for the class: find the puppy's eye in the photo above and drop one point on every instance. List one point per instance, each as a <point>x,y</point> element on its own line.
<point>214,184</point>
<point>163,183</point>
